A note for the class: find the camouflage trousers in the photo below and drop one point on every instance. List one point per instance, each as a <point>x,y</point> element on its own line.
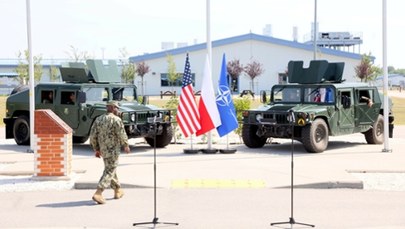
<point>109,177</point>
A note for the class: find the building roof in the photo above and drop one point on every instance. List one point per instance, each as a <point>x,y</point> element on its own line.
<point>12,63</point>
<point>44,62</point>
<point>393,79</point>
<point>241,38</point>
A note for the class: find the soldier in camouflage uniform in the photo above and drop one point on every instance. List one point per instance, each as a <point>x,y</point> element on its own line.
<point>107,136</point>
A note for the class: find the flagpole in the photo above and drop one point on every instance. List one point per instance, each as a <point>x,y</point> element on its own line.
<point>385,77</point>
<point>315,28</point>
<point>31,77</point>
<point>209,51</point>
<point>191,142</point>
<point>227,141</point>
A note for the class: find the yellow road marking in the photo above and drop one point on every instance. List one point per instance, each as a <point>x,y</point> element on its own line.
<point>217,183</point>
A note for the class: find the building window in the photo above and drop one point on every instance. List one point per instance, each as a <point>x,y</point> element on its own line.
<point>164,80</point>
<point>233,84</point>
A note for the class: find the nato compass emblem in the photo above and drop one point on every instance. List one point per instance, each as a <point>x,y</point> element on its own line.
<point>224,100</point>
<point>224,97</point>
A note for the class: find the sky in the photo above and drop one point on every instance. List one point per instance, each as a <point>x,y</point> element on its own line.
<point>103,27</point>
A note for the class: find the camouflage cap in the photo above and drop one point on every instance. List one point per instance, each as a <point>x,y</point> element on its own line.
<point>113,103</point>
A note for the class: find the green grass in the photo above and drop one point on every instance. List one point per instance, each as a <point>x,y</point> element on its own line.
<point>2,109</point>
<point>399,110</point>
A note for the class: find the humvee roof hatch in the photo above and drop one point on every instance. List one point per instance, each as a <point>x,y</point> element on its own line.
<point>318,71</point>
<point>96,71</point>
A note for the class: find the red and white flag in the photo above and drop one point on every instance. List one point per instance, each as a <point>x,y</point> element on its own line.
<point>207,106</point>
<point>187,111</point>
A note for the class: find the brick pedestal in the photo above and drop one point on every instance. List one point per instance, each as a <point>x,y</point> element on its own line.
<point>52,146</point>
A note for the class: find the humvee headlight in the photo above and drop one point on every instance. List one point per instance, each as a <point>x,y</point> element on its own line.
<point>132,117</point>
<point>302,115</point>
<point>166,118</point>
<point>259,117</point>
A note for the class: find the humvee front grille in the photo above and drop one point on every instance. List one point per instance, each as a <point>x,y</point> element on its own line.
<point>278,118</point>
<point>142,117</point>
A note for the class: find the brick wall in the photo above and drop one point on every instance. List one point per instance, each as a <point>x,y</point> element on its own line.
<point>53,145</point>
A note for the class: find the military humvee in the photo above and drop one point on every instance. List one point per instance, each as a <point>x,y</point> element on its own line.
<point>314,105</point>
<point>81,98</point>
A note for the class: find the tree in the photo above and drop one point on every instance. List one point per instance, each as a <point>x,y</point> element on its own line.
<point>128,72</point>
<point>128,69</point>
<point>366,70</point>
<point>77,55</point>
<point>54,74</point>
<point>22,68</point>
<point>400,71</point>
<point>392,70</point>
<point>241,105</point>
<point>172,74</point>
<point>141,69</point>
<point>253,70</point>
<point>234,69</point>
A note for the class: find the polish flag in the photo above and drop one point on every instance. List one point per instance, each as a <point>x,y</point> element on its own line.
<point>207,106</point>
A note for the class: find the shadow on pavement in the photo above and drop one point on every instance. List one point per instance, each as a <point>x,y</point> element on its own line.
<point>68,204</point>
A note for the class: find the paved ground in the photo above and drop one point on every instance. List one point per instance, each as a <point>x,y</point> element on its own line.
<point>248,189</point>
<point>265,167</point>
<point>240,208</point>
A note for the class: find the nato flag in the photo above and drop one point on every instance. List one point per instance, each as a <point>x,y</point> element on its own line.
<point>225,104</point>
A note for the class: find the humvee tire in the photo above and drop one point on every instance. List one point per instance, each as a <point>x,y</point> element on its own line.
<point>250,138</point>
<point>80,139</point>
<point>315,137</point>
<point>375,135</point>
<point>21,130</point>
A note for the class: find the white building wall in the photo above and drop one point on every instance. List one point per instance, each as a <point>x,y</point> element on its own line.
<point>273,57</point>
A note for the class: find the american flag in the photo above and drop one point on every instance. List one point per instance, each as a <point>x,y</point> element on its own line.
<point>188,117</point>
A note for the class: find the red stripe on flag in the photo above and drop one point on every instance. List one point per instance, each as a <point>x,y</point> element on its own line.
<point>187,114</point>
<point>205,118</point>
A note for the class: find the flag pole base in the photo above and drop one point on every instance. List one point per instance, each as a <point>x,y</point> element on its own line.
<point>191,151</point>
<point>227,151</point>
<point>209,151</point>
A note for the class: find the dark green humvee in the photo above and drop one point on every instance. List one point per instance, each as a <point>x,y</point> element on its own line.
<point>81,98</point>
<point>314,105</point>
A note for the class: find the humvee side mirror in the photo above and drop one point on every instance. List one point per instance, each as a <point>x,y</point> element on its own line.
<point>81,97</point>
<point>145,99</point>
<point>263,97</point>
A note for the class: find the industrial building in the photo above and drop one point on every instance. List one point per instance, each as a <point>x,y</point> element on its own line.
<point>273,53</point>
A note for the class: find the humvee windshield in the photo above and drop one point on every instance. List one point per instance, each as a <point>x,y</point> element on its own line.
<point>123,93</point>
<point>97,94</point>
<point>307,94</point>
